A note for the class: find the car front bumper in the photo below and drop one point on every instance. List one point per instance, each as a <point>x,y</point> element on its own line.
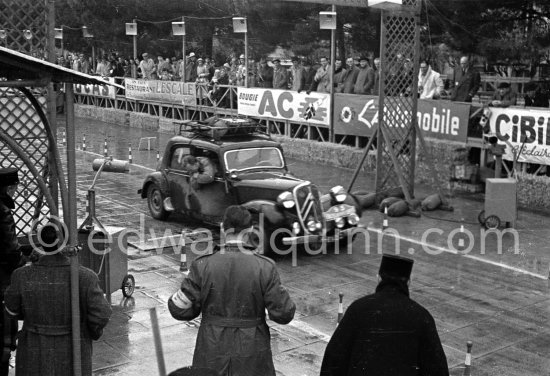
<point>340,234</point>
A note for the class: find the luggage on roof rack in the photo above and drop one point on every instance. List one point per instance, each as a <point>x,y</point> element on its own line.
<point>217,127</point>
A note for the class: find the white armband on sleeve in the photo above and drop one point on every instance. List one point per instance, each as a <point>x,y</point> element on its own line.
<point>181,300</point>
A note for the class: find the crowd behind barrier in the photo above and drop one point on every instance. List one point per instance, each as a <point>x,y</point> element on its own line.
<point>231,87</point>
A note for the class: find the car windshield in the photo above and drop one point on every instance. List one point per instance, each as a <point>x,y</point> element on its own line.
<point>244,159</point>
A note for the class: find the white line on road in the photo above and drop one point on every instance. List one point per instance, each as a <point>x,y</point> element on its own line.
<point>305,327</point>
<point>447,250</point>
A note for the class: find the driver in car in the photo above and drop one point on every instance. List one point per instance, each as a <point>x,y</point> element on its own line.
<point>201,169</point>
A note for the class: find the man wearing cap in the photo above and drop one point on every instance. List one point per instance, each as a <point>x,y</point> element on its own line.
<point>234,288</point>
<point>40,296</point>
<point>365,77</point>
<point>280,75</point>
<point>147,66</point>
<point>386,333</point>
<point>534,95</point>
<point>241,71</point>
<point>10,258</point>
<point>265,74</point>
<point>503,96</point>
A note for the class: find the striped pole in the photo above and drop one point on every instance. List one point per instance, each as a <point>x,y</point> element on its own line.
<point>130,152</point>
<point>183,262</point>
<point>84,142</point>
<point>468,360</point>
<point>158,155</point>
<point>64,138</point>
<point>105,150</point>
<point>385,220</point>
<point>341,307</point>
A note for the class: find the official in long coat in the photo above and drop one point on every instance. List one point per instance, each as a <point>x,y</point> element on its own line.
<point>466,82</point>
<point>232,288</point>
<point>39,295</point>
<point>386,333</point>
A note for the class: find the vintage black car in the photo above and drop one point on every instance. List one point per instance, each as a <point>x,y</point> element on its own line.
<point>250,170</point>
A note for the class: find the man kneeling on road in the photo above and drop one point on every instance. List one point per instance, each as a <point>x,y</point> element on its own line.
<point>233,287</point>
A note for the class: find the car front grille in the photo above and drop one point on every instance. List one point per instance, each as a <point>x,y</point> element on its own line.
<point>308,204</point>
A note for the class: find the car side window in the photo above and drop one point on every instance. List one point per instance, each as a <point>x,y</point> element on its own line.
<point>176,162</point>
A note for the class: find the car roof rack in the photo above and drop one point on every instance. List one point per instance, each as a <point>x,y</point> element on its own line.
<point>217,128</point>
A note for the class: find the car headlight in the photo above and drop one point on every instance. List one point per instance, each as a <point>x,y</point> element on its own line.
<point>296,228</point>
<point>311,225</point>
<point>340,222</point>
<point>338,193</point>
<point>353,219</point>
<point>286,199</point>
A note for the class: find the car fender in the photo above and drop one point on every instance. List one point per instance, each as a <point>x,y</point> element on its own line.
<point>155,178</point>
<point>272,213</point>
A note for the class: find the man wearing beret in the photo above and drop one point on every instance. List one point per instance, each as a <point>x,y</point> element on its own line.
<point>386,333</point>
<point>503,96</point>
<point>10,258</point>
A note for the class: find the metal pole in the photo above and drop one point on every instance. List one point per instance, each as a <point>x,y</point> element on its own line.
<point>183,50</point>
<point>52,96</point>
<point>332,137</point>
<point>246,56</point>
<point>72,225</point>
<point>93,58</point>
<point>157,341</point>
<point>134,68</point>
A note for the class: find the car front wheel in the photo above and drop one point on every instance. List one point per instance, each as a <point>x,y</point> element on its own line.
<point>155,200</point>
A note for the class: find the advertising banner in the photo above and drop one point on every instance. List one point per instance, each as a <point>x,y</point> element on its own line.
<point>161,91</point>
<point>97,90</point>
<point>516,125</point>
<point>358,114</point>
<point>284,105</point>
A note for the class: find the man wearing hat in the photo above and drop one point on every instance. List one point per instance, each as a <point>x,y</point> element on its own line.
<point>534,96</point>
<point>386,333</point>
<point>10,258</point>
<point>147,66</point>
<point>241,71</point>
<point>191,68</point>
<point>503,96</point>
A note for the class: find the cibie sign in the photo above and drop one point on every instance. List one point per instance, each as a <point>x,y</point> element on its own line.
<point>517,126</point>
<point>284,105</point>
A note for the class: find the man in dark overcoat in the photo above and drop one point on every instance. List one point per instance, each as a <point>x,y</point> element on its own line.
<point>232,288</point>
<point>466,81</point>
<point>10,258</point>
<point>386,333</point>
<point>39,294</point>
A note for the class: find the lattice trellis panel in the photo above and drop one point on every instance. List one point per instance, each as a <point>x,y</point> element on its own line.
<point>19,120</point>
<point>399,71</point>
<point>19,15</point>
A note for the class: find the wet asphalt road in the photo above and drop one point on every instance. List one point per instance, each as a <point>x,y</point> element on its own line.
<point>499,299</point>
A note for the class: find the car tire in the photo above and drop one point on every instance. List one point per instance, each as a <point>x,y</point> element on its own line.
<point>155,200</point>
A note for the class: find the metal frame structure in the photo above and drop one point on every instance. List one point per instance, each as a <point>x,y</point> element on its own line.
<point>19,72</point>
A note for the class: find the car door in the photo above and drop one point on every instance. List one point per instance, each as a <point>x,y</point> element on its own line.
<point>178,178</point>
<point>212,198</point>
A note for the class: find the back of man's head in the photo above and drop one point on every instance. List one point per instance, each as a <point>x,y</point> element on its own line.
<point>236,218</point>
<point>49,237</point>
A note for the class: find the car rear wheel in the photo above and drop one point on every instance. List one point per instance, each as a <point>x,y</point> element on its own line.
<point>155,200</point>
